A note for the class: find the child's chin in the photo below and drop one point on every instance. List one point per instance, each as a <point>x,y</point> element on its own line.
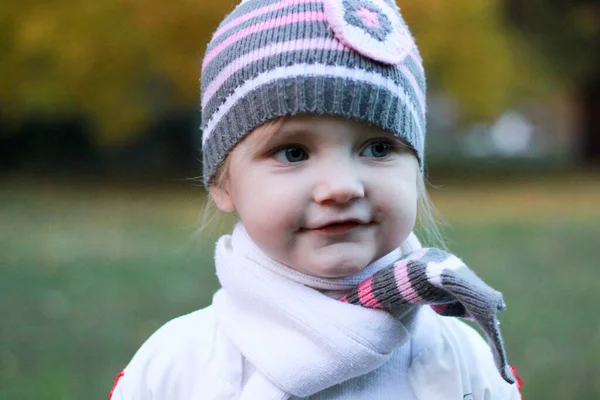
<point>336,261</point>
<point>337,270</point>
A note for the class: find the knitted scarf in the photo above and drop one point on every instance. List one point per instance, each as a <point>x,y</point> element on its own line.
<point>301,341</point>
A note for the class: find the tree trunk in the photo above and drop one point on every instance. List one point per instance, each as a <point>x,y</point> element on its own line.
<point>590,121</point>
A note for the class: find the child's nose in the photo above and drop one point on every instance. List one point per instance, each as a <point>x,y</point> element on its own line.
<point>338,184</point>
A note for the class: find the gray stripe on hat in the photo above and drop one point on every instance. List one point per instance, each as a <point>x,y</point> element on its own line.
<point>343,58</point>
<point>259,40</point>
<point>414,69</point>
<point>273,15</point>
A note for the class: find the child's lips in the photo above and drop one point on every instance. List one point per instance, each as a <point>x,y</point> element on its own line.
<point>338,228</point>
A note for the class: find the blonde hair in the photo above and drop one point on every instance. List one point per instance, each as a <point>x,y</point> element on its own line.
<point>428,218</point>
<point>211,212</point>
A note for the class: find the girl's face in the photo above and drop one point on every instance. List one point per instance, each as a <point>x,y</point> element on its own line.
<point>324,195</point>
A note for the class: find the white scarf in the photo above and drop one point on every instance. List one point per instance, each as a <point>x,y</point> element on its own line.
<point>300,340</point>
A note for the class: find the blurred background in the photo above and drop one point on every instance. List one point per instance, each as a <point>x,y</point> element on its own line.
<point>99,205</point>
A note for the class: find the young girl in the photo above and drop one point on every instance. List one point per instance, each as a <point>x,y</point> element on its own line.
<point>313,133</point>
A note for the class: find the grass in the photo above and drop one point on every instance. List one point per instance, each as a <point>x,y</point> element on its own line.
<point>88,271</point>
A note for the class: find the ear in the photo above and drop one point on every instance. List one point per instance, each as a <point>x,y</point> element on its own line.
<point>222,198</point>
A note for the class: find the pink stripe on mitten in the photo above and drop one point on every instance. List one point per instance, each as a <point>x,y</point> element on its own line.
<point>441,280</point>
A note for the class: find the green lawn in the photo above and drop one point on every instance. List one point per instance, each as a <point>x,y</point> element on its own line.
<point>88,271</point>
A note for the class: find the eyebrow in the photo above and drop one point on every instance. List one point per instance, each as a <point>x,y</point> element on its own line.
<point>298,130</point>
<point>286,133</point>
<point>293,131</point>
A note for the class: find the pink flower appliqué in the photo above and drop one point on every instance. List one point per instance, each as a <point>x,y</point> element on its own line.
<point>369,17</point>
<point>373,28</point>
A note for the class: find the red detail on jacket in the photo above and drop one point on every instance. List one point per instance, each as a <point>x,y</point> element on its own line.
<point>519,380</point>
<point>119,375</point>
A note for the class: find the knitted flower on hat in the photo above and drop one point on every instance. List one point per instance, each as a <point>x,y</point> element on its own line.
<point>373,28</point>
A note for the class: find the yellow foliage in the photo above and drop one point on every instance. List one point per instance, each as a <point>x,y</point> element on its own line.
<point>121,61</point>
<point>467,52</point>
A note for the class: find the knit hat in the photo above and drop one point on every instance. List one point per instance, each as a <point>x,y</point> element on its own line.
<point>354,59</point>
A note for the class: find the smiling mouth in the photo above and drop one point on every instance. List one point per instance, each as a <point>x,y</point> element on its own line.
<point>339,227</point>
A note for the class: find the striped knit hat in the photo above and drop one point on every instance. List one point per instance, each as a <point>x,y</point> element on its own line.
<point>272,58</point>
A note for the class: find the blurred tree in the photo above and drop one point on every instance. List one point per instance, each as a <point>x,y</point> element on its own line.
<point>119,62</point>
<point>567,33</point>
<point>468,52</point>
<point>122,62</point>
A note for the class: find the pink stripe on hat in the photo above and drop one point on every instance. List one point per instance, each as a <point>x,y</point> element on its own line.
<point>311,16</point>
<point>417,60</point>
<point>413,82</point>
<point>265,52</point>
<point>260,11</point>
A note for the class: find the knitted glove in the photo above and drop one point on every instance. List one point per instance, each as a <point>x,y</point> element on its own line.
<point>439,279</point>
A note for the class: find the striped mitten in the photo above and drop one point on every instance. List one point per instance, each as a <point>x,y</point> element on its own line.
<point>439,279</point>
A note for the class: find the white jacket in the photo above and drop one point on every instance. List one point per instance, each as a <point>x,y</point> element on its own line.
<point>450,361</point>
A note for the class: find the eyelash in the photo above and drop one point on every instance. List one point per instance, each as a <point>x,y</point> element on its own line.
<point>391,145</point>
<point>288,147</point>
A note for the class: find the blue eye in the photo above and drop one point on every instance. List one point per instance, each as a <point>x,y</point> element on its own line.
<point>291,154</point>
<point>377,149</point>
